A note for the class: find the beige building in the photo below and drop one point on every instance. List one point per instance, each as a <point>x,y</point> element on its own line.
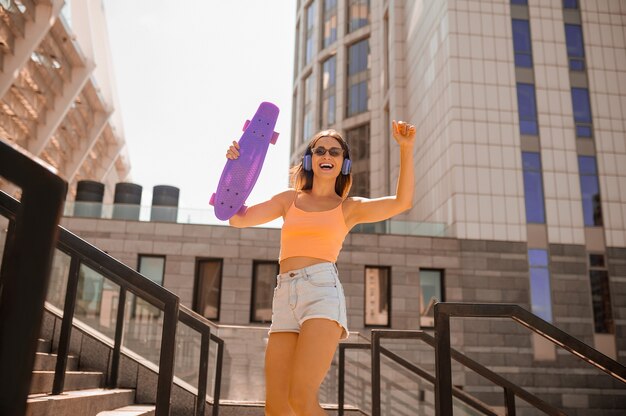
<point>57,91</point>
<point>520,107</point>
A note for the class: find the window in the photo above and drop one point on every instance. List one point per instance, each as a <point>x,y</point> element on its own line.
<point>360,184</point>
<point>575,47</point>
<point>330,23</point>
<point>386,50</point>
<point>358,78</point>
<point>570,4</point>
<point>533,188</point>
<point>208,288</point>
<point>327,112</point>
<point>540,296</point>
<point>263,284</point>
<point>600,295</point>
<point>307,125</point>
<point>296,55</point>
<point>358,14</point>
<point>522,43</point>
<point>582,112</point>
<point>590,190</point>
<point>377,296</point>
<point>359,141</point>
<point>431,291</point>
<point>527,108</point>
<point>152,267</point>
<point>310,24</point>
<point>523,2</point>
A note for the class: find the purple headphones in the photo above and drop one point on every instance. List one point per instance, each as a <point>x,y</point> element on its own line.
<point>307,162</point>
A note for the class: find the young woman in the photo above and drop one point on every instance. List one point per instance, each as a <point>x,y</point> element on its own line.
<point>309,309</point>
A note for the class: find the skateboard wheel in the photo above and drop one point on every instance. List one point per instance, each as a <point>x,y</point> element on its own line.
<point>274,137</point>
<point>245,125</point>
<point>212,200</point>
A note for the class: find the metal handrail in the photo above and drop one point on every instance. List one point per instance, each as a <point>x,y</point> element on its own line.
<point>510,389</point>
<point>443,350</point>
<point>80,251</point>
<point>376,351</point>
<point>203,326</point>
<point>25,270</point>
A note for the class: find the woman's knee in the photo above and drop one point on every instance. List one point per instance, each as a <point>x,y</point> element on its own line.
<point>276,408</point>
<point>302,401</point>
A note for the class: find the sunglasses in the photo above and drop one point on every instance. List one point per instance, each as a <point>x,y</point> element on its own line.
<point>333,151</point>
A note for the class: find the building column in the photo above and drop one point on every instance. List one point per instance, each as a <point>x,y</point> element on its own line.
<point>79,155</point>
<point>34,31</point>
<point>79,77</point>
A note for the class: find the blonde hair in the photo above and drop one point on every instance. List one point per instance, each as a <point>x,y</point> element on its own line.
<point>301,180</point>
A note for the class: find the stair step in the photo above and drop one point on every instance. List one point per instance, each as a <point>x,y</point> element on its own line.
<point>43,345</point>
<point>134,410</point>
<point>241,408</point>
<point>80,402</point>
<point>74,380</point>
<point>47,362</point>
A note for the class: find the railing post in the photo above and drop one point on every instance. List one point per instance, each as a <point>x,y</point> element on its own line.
<point>375,373</point>
<point>202,372</point>
<point>509,402</point>
<point>218,377</point>
<point>443,364</point>
<point>166,359</point>
<point>66,326</point>
<point>119,335</point>
<point>341,381</point>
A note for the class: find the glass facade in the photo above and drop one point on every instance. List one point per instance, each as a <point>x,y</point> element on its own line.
<point>359,141</point>
<point>590,190</point>
<point>377,296</point>
<point>582,112</point>
<point>527,109</point>
<point>309,47</point>
<point>431,291</point>
<point>533,188</point>
<point>600,295</point>
<point>570,4</point>
<point>575,47</point>
<point>308,122</point>
<point>263,284</point>
<point>540,295</point>
<point>358,14</point>
<point>358,77</point>
<point>522,43</point>
<point>208,288</point>
<point>328,102</point>
<point>330,23</point>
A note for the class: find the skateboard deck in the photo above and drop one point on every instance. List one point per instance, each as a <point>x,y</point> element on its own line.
<point>240,175</point>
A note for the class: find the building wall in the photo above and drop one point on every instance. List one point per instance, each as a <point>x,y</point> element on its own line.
<point>483,271</point>
<point>449,67</point>
<point>605,45</point>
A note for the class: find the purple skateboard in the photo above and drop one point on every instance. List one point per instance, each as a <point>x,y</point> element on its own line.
<point>240,175</point>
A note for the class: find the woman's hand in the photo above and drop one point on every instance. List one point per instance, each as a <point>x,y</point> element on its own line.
<point>403,132</point>
<point>233,151</point>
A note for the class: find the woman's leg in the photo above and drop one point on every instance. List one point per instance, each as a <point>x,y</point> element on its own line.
<point>278,360</point>
<point>314,352</point>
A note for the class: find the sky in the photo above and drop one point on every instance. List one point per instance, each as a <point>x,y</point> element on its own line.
<point>188,74</point>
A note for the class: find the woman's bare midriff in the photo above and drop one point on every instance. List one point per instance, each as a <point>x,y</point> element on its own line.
<point>295,263</point>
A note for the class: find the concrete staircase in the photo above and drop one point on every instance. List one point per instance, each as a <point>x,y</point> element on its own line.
<point>83,394</point>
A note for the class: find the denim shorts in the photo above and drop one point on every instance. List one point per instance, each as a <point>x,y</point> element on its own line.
<point>311,292</point>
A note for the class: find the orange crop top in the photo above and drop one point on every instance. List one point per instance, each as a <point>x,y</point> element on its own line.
<point>312,234</point>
